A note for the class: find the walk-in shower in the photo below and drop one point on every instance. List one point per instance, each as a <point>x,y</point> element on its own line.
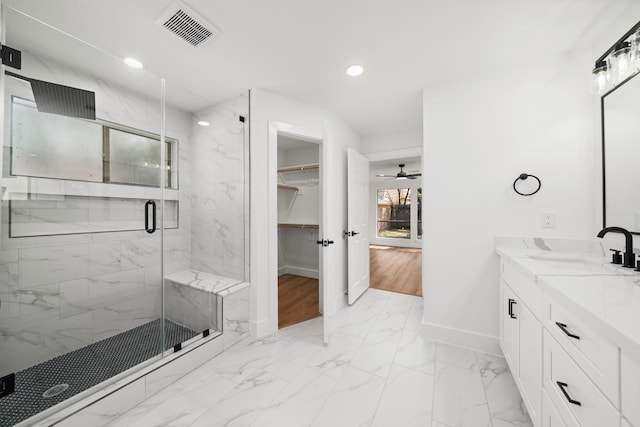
<point>123,222</point>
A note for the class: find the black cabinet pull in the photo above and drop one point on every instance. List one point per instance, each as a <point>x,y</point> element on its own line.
<point>511,304</point>
<point>566,395</point>
<point>152,204</point>
<point>564,329</point>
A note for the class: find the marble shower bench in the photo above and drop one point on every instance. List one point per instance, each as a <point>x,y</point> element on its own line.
<point>200,300</point>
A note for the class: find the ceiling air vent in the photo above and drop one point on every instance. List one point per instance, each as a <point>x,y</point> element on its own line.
<point>188,25</point>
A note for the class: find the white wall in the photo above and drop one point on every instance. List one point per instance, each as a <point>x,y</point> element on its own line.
<point>480,133</point>
<point>265,107</point>
<point>392,141</point>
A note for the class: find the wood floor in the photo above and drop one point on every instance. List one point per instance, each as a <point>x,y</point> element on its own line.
<point>297,299</point>
<point>396,269</point>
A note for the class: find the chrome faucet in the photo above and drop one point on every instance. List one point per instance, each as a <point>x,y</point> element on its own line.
<point>629,257</point>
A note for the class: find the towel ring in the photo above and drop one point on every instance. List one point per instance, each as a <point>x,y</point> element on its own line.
<point>524,176</point>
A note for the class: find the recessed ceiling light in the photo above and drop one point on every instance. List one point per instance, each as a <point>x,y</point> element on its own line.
<point>354,70</point>
<point>133,63</point>
<point>203,123</point>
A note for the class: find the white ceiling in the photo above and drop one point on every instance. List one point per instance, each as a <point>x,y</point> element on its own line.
<point>300,48</point>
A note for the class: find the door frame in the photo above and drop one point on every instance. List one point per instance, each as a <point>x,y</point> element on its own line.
<point>392,155</point>
<point>311,135</point>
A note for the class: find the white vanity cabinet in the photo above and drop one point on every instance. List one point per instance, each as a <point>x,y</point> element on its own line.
<point>521,338</point>
<point>550,415</point>
<point>570,367</point>
<point>575,397</point>
<point>596,355</point>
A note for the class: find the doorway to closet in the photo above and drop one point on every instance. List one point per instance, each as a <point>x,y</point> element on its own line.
<point>395,231</point>
<point>299,293</point>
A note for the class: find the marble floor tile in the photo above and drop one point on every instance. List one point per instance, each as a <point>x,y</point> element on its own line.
<point>407,399</point>
<point>299,402</point>
<point>373,300</point>
<point>400,303</point>
<point>416,352</point>
<point>378,371</point>
<point>334,358</point>
<point>353,401</point>
<point>505,402</point>
<point>414,319</point>
<point>459,398</point>
<point>379,347</point>
<point>352,321</point>
<point>237,363</point>
<point>244,404</point>
<point>192,401</point>
<point>292,357</point>
<point>458,356</point>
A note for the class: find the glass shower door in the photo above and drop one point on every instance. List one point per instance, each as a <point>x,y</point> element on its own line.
<point>82,178</point>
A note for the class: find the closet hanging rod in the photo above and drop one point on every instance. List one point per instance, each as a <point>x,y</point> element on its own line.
<point>314,226</point>
<point>299,168</point>
<point>288,187</point>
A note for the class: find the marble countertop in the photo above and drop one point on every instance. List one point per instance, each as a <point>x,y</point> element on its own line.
<point>603,295</point>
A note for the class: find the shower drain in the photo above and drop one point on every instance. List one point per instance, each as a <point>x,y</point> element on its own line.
<point>55,390</point>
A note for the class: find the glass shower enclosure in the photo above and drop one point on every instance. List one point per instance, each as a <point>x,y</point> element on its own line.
<point>116,239</point>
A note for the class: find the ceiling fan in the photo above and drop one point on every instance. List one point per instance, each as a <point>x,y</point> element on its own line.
<point>401,175</point>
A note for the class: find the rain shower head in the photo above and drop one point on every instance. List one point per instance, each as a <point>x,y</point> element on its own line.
<point>65,100</point>
<point>59,99</point>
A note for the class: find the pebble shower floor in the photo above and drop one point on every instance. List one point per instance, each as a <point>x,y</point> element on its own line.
<point>85,367</point>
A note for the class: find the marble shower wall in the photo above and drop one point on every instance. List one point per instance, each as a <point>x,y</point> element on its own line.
<point>219,202</point>
<point>62,292</point>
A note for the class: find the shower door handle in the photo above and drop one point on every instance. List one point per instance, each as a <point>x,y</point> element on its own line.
<point>153,216</point>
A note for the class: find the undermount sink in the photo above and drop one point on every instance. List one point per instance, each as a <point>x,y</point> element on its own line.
<point>559,264</point>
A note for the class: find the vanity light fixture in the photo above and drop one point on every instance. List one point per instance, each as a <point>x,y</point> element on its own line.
<point>354,70</point>
<point>635,47</point>
<point>620,59</point>
<point>133,63</point>
<point>620,62</point>
<point>203,123</point>
<point>601,76</point>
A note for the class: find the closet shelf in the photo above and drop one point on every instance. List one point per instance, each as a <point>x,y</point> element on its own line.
<point>299,168</point>
<point>313,226</point>
<point>288,187</point>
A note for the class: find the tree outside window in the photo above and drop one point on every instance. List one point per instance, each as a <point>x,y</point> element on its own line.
<point>394,213</point>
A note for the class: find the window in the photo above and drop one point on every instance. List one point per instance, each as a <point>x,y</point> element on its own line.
<point>394,213</point>
<point>52,146</point>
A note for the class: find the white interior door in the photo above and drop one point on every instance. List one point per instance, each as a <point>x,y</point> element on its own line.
<point>358,224</point>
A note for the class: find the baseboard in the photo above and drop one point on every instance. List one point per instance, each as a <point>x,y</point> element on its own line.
<point>462,338</point>
<point>297,271</point>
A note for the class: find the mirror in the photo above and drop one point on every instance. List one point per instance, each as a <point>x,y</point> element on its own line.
<point>620,153</point>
